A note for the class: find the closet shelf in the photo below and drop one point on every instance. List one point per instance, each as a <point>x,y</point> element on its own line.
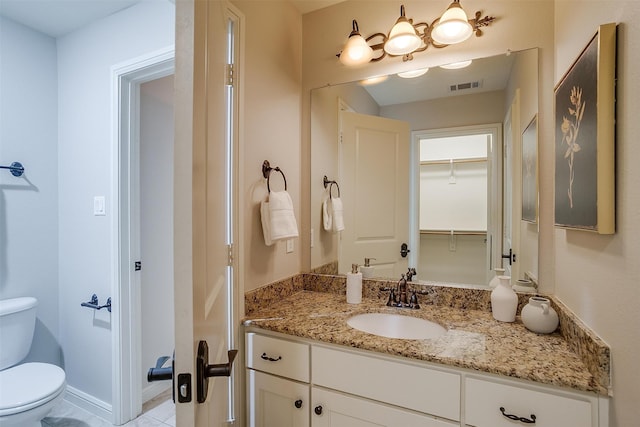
<point>454,161</point>
<point>455,232</point>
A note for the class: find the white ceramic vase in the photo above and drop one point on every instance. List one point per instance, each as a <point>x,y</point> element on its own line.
<point>493,283</point>
<point>504,301</point>
<point>538,316</point>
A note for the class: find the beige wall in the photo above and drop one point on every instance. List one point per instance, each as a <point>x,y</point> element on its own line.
<point>599,276</point>
<point>270,123</point>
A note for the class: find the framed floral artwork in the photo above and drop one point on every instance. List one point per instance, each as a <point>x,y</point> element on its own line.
<point>530,172</point>
<point>585,138</point>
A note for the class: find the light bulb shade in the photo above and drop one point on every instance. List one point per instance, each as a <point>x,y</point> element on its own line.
<point>356,51</point>
<point>402,39</point>
<point>453,27</point>
<point>413,73</point>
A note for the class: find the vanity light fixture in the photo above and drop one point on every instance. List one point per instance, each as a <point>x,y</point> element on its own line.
<point>407,38</point>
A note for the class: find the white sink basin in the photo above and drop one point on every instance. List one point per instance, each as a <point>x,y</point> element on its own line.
<point>396,326</point>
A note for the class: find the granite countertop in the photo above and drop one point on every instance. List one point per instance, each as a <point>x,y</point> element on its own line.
<point>474,340</point>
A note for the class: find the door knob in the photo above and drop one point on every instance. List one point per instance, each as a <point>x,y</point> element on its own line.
<point>204,371</point>
<point>404,250</point>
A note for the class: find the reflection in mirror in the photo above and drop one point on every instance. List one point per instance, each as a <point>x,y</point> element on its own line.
<point>426,162</point>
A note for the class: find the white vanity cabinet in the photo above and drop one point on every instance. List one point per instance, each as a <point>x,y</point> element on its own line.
<point>334,409</point>
<point>296,382</point>
<point>495,403</point>
<point>277,382</point>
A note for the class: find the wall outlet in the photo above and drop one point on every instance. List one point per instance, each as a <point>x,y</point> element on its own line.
<point>312,238</point>
<point>289,246</point>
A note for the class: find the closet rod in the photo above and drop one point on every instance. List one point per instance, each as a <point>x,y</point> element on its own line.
<point>447,162</point>
<point>455,232</point>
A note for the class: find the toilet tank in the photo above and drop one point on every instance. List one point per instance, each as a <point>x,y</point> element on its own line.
<point>17,323</point>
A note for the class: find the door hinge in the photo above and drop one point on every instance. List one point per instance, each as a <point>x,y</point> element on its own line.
<point>229,76</point>
<point>229,255</point>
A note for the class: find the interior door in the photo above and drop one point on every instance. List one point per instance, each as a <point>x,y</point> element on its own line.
<point>203,285</point>
<point>374,185</point>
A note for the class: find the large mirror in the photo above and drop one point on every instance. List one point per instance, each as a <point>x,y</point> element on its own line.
<point>427,172</point>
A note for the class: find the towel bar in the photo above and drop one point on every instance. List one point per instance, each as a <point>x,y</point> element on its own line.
<point>266,172</point>
<point>16,168</point>
<point>330,183</point>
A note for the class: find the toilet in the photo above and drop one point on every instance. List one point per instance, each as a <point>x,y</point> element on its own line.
<point>28,391</point>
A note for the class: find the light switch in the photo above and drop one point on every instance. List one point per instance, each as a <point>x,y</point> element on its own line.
<point>99,208</point>
<point>289,246</point>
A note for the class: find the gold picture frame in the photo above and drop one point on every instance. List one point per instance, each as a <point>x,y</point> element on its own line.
<point>585,138</point>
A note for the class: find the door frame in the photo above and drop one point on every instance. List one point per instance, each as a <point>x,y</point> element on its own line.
<point>126,78</point>
<point>494,171</point>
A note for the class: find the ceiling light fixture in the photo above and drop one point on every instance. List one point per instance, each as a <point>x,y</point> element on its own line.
<point>413,73</point>
<point>407,38</point>
<point>457,65</point>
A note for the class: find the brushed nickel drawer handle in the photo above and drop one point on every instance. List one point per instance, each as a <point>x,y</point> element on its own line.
<point>517,418</point>
<point>270,359</point>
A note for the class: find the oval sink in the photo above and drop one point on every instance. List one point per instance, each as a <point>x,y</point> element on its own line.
<point>396,326</point>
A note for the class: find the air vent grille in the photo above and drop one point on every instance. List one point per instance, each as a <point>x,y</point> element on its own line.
<point>465,86</point>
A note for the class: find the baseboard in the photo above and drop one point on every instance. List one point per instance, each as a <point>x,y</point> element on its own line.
<point>89,403</point>
<point>154,390</point>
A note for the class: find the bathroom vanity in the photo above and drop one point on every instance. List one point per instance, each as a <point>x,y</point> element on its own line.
<point>307,366</point>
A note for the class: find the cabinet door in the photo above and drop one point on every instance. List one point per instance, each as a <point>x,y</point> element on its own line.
<point>492,404</point>
<point>331,409</point>
<point>276,402</point>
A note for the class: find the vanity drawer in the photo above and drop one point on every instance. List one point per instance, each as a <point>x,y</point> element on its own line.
<point>409,386</point>
<point>279,357</point>
<point>483,400</point>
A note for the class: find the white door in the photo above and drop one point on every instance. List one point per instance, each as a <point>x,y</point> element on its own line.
<point>204,291</point>
<point>374,189</point>
<point>331,409</point>
<point>276,402</point>
<point>511,193</point>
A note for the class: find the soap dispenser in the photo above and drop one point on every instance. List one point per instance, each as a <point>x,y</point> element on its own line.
<point>367,269</point>
<point>354,285</point>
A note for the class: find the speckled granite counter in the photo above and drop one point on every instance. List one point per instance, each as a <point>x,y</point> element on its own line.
<point>474,340</point>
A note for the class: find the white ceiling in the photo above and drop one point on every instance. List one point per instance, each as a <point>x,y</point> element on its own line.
<point>492,73</point>
<point>59,17</point>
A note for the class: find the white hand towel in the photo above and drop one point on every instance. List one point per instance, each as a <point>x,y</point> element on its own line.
<point>283,221</point>
<point>266,222</point>
<point>327,220</point>
<point>337,214</point>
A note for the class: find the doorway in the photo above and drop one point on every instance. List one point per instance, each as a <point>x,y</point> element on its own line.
<point>143,246</point>
<point>457,210</point>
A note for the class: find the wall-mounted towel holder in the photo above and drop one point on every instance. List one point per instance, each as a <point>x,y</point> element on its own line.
<point>326,181</point>
<point>15,168</point>
<point>96,305</point>
<point>266,172</point>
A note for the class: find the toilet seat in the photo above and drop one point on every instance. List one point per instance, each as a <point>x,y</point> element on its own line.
<point>27,386</point>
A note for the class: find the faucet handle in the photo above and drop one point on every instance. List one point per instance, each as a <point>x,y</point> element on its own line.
<point>413,301</point>
<point>392,302</point>
<point>410,273</point>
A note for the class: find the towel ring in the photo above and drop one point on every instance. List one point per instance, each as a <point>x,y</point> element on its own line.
<point>330,183</point>
<point>266,172</point>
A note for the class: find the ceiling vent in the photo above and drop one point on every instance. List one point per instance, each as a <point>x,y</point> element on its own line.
<point>465,86</point>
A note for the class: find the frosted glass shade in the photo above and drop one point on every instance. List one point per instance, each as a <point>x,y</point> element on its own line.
<point>403,39</point>
<point>356,51</point>
<point>413,73</point>
<point>453,26</point>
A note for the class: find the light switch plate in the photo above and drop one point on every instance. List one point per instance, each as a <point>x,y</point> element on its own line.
<point>99,208</point>
<point>289,246</point>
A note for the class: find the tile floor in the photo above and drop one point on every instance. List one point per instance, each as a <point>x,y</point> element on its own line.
<point>159,412</point>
